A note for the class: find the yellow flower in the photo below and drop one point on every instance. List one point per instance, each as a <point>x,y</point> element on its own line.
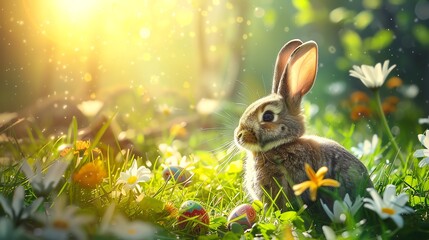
<point>165,109</point>
<point>170,210</point>
<point>316,181</point>
<point>179,130</point>
<point>90,175</point>
<point>80,148</point>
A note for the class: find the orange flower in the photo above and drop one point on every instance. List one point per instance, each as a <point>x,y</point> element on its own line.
<point>170,209</point>
<point>394,82</point>
<point>359,112</point>
<point>81,148</point>
<point>316,181</point>
<point>90,175</point>
<point>359,97</point>
<point>392,100</point>
<point>389,104</point>
<point>388,108</point>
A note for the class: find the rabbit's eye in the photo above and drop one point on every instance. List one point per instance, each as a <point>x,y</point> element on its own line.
<point>268,116</point>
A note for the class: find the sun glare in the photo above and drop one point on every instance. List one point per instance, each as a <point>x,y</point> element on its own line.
<point>78,9</point>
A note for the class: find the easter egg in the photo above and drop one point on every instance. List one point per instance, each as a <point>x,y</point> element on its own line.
<point>244,214</point>
<point>179,174</point>
<point>193,218</point>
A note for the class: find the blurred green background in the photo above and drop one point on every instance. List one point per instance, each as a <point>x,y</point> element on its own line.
<point>162,62</point>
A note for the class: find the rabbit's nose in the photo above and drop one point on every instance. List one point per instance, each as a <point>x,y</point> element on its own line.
<point>245,136</point>
<point>240,135</point>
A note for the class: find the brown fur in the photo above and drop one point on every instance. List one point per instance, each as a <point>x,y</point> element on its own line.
<point>277,150</point>
<point>284,165</point>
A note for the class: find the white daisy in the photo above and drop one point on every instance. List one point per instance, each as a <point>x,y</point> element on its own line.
<point>168,151</point>
<point>120,227</point>
<point>44,183</point>
<point>424,139</point>
<point>372,76</point>
<point>8,230</point>
<point>343,208</point>
<point>62,222</point>
<point>16,209</point>
<point>391,206</point>
<point>131,178</point>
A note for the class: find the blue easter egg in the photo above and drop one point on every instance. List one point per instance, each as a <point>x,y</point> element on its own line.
<point>179,174</point>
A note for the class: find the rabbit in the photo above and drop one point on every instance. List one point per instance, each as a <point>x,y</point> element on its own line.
<point>271,131</point>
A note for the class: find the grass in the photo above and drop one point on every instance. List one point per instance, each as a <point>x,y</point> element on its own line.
<point>216,185</point>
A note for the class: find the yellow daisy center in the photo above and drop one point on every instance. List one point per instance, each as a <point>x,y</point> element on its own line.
<point>132,180</point>
<point>389,211</point>
<point>60,224</point>
<point>132,231</point>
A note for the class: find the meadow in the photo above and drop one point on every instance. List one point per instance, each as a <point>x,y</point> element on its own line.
<point>74,186</point>
<point>117,118</point>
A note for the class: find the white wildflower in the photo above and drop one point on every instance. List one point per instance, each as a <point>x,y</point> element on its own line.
<point>131,178</point>
<point>62,222</point>
<point>343,208</point>
<point>16,209</point>
<point>122,228</point>
<point>391,206</point>
<point>372,76</point>
<point>44,183</point>
<point>424,153</point>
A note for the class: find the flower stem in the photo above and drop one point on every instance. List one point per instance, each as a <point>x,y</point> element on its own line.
<point>386,125</point>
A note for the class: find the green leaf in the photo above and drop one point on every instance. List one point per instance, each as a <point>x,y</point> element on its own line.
<point>363,19</point>
<point>301,4</point>
<point>152,204</point>
<point>270,18</point>
<point>210,237</point>
<point>352,43</point>
<point>236,228</point>
<point>230,236</point>
<point>397,2</point>
<point>288,216</point>
<point>380,40</point>
<point>217,222</point>
<point>422,34</point>
<point>372,4</point>
<point>339,14</point>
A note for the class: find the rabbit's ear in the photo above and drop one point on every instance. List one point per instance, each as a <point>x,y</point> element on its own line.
<point>300,73</point>
<point>282,60</point>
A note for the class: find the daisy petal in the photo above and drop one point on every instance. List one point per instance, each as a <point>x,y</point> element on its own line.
<point>401,199</point>
<point>424,162</point>
<point>329,233</point>
<point>18,200</point>
<point>421,153</point>
<point>389,193</point>
<point>398,220</point>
